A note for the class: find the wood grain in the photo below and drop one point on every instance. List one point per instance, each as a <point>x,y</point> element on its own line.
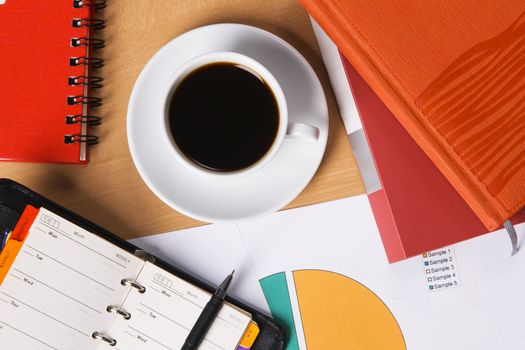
<point>109,190</point>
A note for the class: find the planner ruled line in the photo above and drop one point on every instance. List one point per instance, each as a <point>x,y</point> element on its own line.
<point>28,335</point>
<point>47,315</point>
<point>83,245</point>
<point>58,291</point>
<point>72,269</point>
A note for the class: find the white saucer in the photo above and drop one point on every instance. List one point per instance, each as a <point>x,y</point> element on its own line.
<point>216,199</point>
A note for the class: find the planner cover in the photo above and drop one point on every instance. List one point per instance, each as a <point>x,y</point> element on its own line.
<point>46,57</point>
<point>14,198</point>
<point>67,288</point>
<point>453,74</point>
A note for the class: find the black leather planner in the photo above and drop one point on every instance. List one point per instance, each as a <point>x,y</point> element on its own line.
<point>14,198</point>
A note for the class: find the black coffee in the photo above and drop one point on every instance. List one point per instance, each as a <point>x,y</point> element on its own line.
<point>223,117</point>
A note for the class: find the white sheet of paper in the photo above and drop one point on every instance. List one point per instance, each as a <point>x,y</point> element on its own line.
<point>210,252</point>
<point>459,297</point>
<point>336,73</point>
<point>482,310</point>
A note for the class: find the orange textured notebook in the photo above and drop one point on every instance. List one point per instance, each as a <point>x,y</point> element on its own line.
<point>453,73</point>
<point>46,62</point>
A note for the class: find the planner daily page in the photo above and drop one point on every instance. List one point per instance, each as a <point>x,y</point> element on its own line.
<point>56,293</point>
<point>161,318</point>
<point>65,284</point>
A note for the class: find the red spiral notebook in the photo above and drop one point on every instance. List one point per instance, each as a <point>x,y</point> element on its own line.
<point>46,58</point>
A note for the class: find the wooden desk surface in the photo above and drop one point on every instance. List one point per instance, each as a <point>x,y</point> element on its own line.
<point>109,191</point>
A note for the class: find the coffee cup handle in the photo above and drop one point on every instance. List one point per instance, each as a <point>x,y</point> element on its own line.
<point>302,131</point>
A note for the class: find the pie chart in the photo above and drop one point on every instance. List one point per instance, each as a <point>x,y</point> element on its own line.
<point>336,312</point>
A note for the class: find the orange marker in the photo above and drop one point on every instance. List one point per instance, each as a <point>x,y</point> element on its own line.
<point>16,240</point>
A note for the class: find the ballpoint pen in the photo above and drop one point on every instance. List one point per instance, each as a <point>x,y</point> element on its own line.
<point>207,316</point>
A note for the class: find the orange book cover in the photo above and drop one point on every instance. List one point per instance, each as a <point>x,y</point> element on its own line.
<point>40,84</point>
<point>453,74</point>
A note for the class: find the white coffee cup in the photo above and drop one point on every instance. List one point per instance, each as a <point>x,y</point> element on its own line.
<point>285,129</point>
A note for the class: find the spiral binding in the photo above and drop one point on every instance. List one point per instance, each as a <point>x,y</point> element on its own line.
<point>133,284</point>
<point>93,82</point>
<point>96,4</point>
<point>84,100</point>
<point>124,314</point>
<point>94,43</point>
<point>79,138</point>
<point>96,24</point>
<point>87,81</point>
<point>90,120</point>
<point>100,336</point>
<point>93,62</point>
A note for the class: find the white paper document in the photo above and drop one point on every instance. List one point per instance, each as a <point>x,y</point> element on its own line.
<point>323,268</point>
<point>463,297</point>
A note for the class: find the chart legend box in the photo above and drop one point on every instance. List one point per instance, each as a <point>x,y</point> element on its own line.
<point>441,269</point>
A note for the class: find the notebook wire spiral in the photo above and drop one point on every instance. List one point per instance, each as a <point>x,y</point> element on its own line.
<point>88,80</point>
<point>115,309</point>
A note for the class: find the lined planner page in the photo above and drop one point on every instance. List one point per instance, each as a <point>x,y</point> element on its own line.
<point>162,317</point>
<point>57,290</point>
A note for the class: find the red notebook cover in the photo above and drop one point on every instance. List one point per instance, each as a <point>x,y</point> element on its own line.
<point>38,73</point>
<point>417,210</point>
<point>453,74</point>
